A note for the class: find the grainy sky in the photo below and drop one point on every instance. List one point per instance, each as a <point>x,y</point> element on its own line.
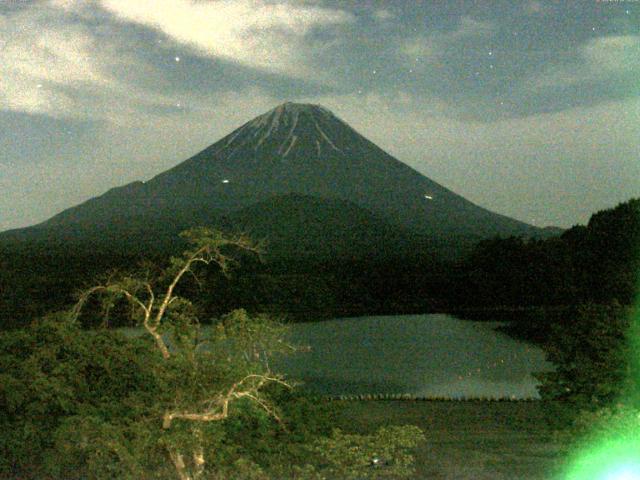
<point>528,108</point>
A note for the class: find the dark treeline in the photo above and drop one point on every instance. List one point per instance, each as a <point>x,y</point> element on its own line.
<point>34,282</point>
<point>595,264</point>
<point>592,264</point>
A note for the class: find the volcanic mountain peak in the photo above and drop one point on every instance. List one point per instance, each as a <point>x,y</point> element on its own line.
<point>293,108</point>
<point>295,148</point>
<point>286,125</point>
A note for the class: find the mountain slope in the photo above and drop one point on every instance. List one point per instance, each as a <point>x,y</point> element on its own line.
<point>293,149</point>
<point>302,226</point>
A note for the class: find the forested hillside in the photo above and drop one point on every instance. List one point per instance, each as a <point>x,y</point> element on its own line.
<point>596,263</point>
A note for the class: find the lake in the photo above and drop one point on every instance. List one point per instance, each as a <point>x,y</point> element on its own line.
<point>421,355</point>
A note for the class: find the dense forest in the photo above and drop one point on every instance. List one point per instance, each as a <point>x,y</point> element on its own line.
<point>596,263</point>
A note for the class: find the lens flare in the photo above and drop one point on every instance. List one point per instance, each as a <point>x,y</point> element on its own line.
<point>624,473</point>
<point>616,458</point>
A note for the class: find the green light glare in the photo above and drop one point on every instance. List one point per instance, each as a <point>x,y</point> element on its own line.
<point>615,458</point>
<point>625,473</point>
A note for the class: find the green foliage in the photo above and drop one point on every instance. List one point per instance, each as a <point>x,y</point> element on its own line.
<point>53,371</point>
<point>95,412</point>
<point>590,354</point>
<point>243,338</point>
<point>385,454</point>
<point>175,402</point>
<point>597,263</point>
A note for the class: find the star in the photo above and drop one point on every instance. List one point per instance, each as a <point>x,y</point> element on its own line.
<point>177,59</point>
<point>490,66</point>
<point>39,85</point>
<point>374,71</point>
<point>411,70</point>
<point>490,53</point>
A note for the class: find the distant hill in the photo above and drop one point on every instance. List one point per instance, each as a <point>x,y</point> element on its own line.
<point>305,226</point>
<point>297,175</point>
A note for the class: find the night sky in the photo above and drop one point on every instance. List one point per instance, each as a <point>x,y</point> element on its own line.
<point>528,108</point>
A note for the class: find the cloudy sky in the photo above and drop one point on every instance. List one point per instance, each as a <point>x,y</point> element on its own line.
<point>528,108</point>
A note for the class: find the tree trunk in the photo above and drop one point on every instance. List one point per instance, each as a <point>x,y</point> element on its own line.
<point>181,468</point>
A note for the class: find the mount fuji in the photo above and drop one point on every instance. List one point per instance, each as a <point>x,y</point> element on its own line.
<point>295,172</point>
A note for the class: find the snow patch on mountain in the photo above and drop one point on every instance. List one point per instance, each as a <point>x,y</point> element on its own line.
<point>290,135</point>
<point>325,136</point>
<point>293,142</point>
<point>287,115</point>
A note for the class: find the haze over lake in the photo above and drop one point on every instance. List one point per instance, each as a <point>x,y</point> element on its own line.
<point>423,355</point>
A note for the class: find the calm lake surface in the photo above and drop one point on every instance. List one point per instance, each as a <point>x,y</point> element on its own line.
<point>422,355</point>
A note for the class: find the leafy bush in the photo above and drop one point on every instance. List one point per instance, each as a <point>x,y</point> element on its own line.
<point>591,354</point>
<point>54,371</point>
<point>386,454</point>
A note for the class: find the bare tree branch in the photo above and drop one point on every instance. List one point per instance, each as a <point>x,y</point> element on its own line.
<point>219,406</point>
<point>153,305</point>
<point>84,297</point>
<point>178,462</point>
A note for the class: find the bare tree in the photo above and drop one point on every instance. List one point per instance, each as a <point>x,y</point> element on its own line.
<point>158,309</point>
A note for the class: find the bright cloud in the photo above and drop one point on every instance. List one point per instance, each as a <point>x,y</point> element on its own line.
<point>54,64</point>
<point>432,47</point>
<point>257,34</point>
<point>39,56</point>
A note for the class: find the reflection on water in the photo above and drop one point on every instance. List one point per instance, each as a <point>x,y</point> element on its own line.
<point>422,355</point>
